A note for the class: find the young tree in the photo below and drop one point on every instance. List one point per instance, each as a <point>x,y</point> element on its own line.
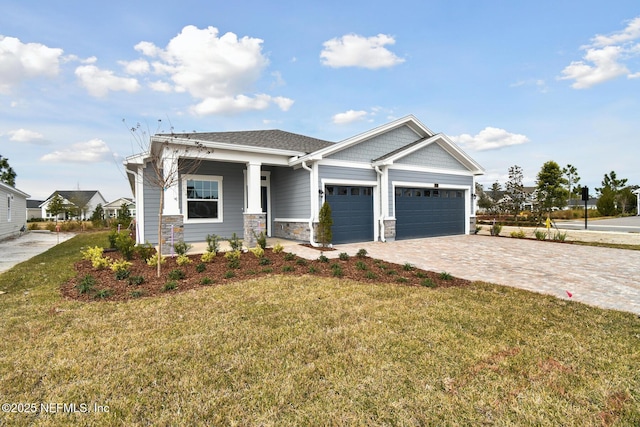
<point>164,175</point>
<point>325,222</point>
<point>484,202</point>
<point>515,190</point>
<point>572,177</point>
<point>610,200</point>
<point>496,195</point>
<point>97,216</point>
<point>124,216</point>
<point>56,206</point>
<point>7,174</point>
<point>550,188</point>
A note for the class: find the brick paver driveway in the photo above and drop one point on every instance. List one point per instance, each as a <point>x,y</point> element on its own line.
<point>604,277</point>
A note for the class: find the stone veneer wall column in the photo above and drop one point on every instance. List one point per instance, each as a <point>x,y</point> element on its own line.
<point>472,225</point>
<point>178,231</point>
<point>389,230</point>
<point>291,230</point>
<point>254,224</point>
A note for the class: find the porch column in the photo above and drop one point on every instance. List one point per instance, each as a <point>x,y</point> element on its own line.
<point>254,218</point>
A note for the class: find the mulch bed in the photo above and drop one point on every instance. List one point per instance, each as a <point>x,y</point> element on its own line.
<point>218,272</point>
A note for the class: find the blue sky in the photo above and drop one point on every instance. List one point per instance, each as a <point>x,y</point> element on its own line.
<point>513,83</point>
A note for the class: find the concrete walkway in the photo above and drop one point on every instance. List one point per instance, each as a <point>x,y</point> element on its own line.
<point>603,277</point>
<point>19,249</point>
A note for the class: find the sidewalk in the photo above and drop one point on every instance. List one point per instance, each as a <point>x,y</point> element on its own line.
<point>32,243</point>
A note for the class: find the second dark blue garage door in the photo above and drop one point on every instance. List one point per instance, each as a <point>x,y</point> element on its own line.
<point>429,212</point>
<point>352,213</point>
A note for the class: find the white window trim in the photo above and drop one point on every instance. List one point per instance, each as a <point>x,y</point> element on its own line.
<point>185,209</point>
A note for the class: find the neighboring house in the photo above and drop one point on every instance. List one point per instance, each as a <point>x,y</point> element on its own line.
<point>111,209</point>
<point>637,193</point>
<point>83,202</point>
<point>13,205</point>
<point>33,209</point>
<point>397,181</point>
<point>592,203</point>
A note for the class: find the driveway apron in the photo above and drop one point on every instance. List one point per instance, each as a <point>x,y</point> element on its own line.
<point>603,277</point>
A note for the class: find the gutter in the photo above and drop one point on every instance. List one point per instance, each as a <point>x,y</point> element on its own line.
<point>311,241</point>
<point>380,219</point>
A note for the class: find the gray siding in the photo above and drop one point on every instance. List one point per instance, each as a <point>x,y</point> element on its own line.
<point>290,193</point>
<point>377,147</point>
<point>151,196</point>
<point>232,202</point>
<point>342,173</point>
<point>424,177</point>
<point>18,214</point>
<point>433,156</point>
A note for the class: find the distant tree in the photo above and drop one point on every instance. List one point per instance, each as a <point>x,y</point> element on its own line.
<point>97,216</point>
<point>56,206</point>
<point>606,203</point>
<point>7,174</point>
<point>484,201</point>
<point>571,174</point>
<point>515,190</point>
<point>612,182</point>
<point>612,200</point>
<point>551,189</point>
<point>495,194</point>
<point>124,215</point>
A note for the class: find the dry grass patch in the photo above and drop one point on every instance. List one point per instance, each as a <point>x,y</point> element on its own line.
<point>301,350</point>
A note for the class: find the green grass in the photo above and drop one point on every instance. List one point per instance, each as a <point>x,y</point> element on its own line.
<point>301,350</point>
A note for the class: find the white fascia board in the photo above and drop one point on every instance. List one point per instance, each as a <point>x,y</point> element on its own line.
<point>11,189</point>
<point>231,147</point>
<point>414,124</point>
<point>416,168</point>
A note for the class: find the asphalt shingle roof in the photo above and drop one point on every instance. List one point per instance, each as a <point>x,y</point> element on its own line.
<point>276,139</point>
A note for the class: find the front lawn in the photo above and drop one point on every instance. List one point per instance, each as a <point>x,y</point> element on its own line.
<point>306,350</point>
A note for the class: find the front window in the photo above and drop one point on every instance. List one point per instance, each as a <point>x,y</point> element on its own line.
<point>203,197</point>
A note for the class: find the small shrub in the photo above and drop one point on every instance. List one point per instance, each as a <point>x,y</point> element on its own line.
<point>445,276</point>
<point>381,265</point>
<point>94,254</point>
<point>420,275</point>
<point>176,274</point>
<point>518,234</point>
<point>261,240</point>
<point>206,281</point>
<point>343,256</point>
<point>183,260</point>
<point>540,235</point>
<point>496,229</point>
<point>169,286</point>
<point>478,228</point>
<point>559,236</point>
<point>392,272</point>
<point>125,245</point>
<point>264,261</point>
<point>362,253</point>
<point>336,270</point>
<point>278,248</point>
<point>86,285</point>
<point>181,248</point>
<point>235,242</point>
<point>120,265</point>
<point>136,294</point>
<point>428,283</point>
<point>408,266</point>
<point>112,236</point>
<point>103,293</point>
<point>145,251</point>
<point>153,261</point>
<point>301,261</point>
<point>289,256</point>
<point>312,270</point>
<point>229,274</point>
<point>136,280</point>
<point>402,280</point>
<point>371,275</point>
<point>323,258</point>
<point>258,251</point>
<point>361,266</point>
<point>288,268</point>
<point>213,243</point>
<point>201,267</point>
<point>267,270</point>
<point>122,274</point>
<point>208,256</point>
<point>233,258</point>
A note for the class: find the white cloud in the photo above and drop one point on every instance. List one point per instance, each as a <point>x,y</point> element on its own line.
<point>139,66</point>
<point>349,117</point>
<point>99,82</point>
<point>604,58</point>
<point>490,138</point>
<point>28,136</point>
<point>93,151</point>
<point>20,61</point>
<point>352,50</point>
<point>219,70</point>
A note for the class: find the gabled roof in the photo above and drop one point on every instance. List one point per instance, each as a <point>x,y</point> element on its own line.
<point>118,202</point>
<point>7,187</point>
<point>275,139</point>
<point>33,204</point>
<point>77,197</point>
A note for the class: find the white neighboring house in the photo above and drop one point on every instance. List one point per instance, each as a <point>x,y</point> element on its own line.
<point>637,193</point>
<point>13,207</point>
<point>84,201</point>
<point>111,209</point>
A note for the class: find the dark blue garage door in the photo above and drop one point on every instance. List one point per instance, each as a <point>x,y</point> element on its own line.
<point>352,213</point>
<point>428,212</point>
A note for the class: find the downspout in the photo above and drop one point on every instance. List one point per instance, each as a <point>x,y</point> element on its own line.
<point>311,241</point>
<point>380,218</point>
